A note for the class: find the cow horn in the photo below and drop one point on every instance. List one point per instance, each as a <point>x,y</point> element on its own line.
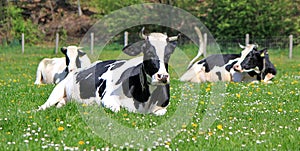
<point>142,34</point>
<point>242,46</point>
<point>173,38</point>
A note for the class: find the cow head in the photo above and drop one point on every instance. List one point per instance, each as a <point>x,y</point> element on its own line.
<point>156,49</point>
<point>244,54</point>
<point>254,61</point>
<point>72,54</point>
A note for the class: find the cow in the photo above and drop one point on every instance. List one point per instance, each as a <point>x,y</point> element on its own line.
<point>217,67</point>
<point>258,65</point>
<point>54,70</point>
<point>140,84</point>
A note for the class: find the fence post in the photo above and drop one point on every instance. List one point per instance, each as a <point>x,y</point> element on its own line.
<point>205,44</point>
<point>125,38</point>
<point>56,43</point>
<point>23,42</point>
<point>291,46</point>
<point>247,39</point>
<point>92,43</point>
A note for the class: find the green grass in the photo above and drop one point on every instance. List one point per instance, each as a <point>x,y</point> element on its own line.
<point>209,116</point>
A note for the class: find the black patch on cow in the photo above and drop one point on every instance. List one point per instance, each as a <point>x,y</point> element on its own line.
<point>161,95</point>
<point>217,60</point>
<point>89,81</point>
<point>219,75</point>
<point>134,84</point>
<point>117,65</point>
<point>77,61</point>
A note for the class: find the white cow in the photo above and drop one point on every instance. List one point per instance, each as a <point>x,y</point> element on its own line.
<point>54,70</point>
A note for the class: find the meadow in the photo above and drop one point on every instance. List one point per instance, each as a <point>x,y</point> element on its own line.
<point>210,116</point>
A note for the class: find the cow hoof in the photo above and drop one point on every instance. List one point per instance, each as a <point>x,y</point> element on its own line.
<point>160,112</point>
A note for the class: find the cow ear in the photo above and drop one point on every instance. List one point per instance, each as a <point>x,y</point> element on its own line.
<point>81,53</point>
<point>263,52</point>
<point>133,49</point>
<point>64,50</point>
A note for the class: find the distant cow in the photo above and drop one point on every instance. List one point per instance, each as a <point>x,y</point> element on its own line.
<point>218,67</point>
<point>139,85</point>
<point>54,70</point>
<point>258,65</point>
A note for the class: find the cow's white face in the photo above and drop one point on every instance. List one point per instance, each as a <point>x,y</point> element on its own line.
<point>72,54</point>
<point>157,49</point>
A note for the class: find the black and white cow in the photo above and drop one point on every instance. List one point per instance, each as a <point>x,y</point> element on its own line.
<point>258,65</point>
<point>54,70</point>
<point>218,67</point>
<point>139,85</point>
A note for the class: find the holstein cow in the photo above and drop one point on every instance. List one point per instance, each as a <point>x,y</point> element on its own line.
<point>54,70</point>
<point>258,65</point>
<point>139,85</point>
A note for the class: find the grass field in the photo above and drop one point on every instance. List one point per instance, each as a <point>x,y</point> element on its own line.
<point>210,116</point>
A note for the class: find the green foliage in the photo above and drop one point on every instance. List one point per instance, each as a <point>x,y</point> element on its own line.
<point>14,25</point>
<point>228,19</point>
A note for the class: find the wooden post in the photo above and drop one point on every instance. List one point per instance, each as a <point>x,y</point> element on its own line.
<point>291,47</point>
<point>56,43</point>
<point>205,44</point>
<point>247,39</point>
<point>23,42</point>
<point>92,43</point>
<point>125,38</point>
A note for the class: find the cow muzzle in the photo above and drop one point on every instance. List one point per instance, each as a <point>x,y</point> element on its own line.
<point>159,78</point>
<point>238,68</point>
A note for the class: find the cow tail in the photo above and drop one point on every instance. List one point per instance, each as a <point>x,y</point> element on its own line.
<point>201,46</point>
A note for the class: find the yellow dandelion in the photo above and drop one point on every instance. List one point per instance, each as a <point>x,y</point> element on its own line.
<point>220,127</point>
<point>207,89</point>
<point>8,133</point>
<point>28,112</point>
<point>230,118</point>
<point>30,117</point>
<point>84,105</point>
<point>81,142</point>
<point>202,102</point>
<point>183,126</point>
<point>194,124</point>
<point>270,93</point>
<point>60,128</point>
<point>280,110</point>
<point>250,119</point>
<point>210,133</point>
<point>238,95</point>
<point>168,143</point>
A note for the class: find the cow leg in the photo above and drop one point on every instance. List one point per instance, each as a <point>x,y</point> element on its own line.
<point>110,102</point>
<point>159,111</point>
<point>58,95</point>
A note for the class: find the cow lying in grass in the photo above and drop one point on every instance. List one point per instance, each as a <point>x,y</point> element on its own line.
<point>139,85</point>
<point>258,65</point>
<point>54,70</point>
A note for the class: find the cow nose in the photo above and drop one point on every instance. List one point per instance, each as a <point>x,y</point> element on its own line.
<point>237,67</point>
<point>162,78</point>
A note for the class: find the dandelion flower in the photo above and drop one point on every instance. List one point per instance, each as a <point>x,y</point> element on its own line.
<point>238,95</point>
<point>60,128</point>
<point>280,110</point>
<point>220,127</point>
<point>81,142</point>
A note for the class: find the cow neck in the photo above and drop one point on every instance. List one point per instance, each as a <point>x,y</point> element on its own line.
<point>144,75</point>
